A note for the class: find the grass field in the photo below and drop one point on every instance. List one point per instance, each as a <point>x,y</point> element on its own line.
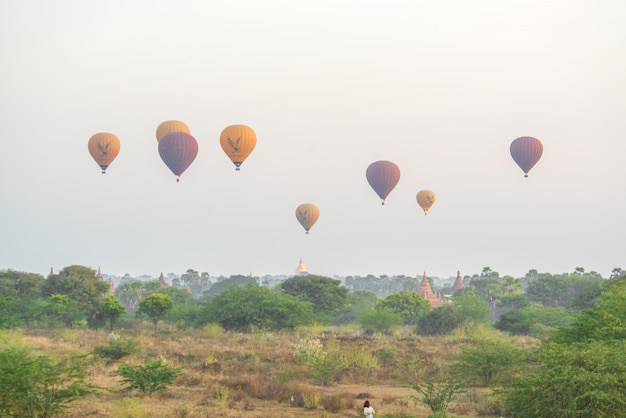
<point>261,374</point>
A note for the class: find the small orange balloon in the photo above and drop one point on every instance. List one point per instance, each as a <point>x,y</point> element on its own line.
<point>238,141</point>
<point>425,198</point>
<point>307,214</point>
<point>104,147</point>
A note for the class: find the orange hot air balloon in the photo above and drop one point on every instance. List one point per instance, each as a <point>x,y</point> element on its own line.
<point>238,141</point>
<point>425,198</point>
<point>307,214</point>
<point>104,147</point>
<point>383,176</point>
<point>170,126</point>
<point>526,152</point>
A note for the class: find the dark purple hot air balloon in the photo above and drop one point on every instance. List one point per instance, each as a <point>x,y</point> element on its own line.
<point>383,176</point>
<point>526,152</point>
<point>178,150</point>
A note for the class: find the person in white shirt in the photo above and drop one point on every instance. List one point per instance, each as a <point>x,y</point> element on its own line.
<point>368,411</point>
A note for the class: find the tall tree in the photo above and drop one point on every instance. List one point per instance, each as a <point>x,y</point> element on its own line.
<point>327,295</point>
<point>156,307</point>
<point>111,310</point>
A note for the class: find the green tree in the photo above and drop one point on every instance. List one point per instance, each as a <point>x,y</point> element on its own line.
<point>79,284</point>
<point>408,305</point>
<point>242,308</point>
<point>156,307</point>
<point>358,303</point>
<point>380,320</point>
<point>111,309</point>
<point>326,295</point>
<point>471,306</point>
<point>602,322</point>
<point>235,280</point>
<point>20,285</point>
<point>38,386</point>
<point>574,380</point>
<point>64,309</point>
<point>486,361</point>
<point>440,321</point>
<point>536,321</point>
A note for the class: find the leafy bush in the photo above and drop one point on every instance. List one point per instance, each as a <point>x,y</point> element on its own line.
<point>150,377</point>
<point>38,386</point>
<point>380,320</point>
<point>117,348</point>
<point>436,395</point>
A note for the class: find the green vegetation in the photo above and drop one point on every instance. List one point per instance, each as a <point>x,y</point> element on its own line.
<point>37,386</point>
<point>151,377</point>
<point>156,306</point>
<point>539,345</point>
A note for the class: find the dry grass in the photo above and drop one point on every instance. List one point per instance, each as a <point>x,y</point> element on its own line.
<point>256,376</point>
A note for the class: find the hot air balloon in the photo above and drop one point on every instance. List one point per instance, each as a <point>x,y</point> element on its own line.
<point>178,150</point>
<point>383,176</point>
<point>425,198</point>
<point>104,147</point>
<point>169,126</point>
<point>238,141</point>
<point>526,152</point>
<point>307,214</point>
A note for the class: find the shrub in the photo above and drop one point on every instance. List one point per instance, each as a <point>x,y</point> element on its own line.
<point>380,321</point>
<point>117,348</point>
<point>39,387</point>
<point>150,377</point>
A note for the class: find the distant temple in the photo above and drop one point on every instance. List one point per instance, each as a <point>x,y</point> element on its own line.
<point>458,283</point>
<point>426,292</point>
<point>111,285</point>
<point>301,269</point>
<point>99,275</point>
<point>162,280</point>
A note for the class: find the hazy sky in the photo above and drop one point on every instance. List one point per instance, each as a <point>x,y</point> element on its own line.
<point>441,88</point>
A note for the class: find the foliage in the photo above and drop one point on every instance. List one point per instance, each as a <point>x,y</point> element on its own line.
<point>441,320</point>
<point>327,296</point>
<point>20,285</point>
<point>435,395</point>
<point>574,380</point>
<point>380,321</point>
<point>64,309</point>
<point>38,386</point>
<point>243,308</point>
<point>472,307</point>
<point>150,377</point>
<point>81,285</point>
<point>485,361</point>
<point>574,291</point>
<point>602,322</point>
<point>358,303</point>
<point>117,348</point>
<point>534,320</point>
<point>156,307</point>
<point>409,305</point>
<point>111,309</point>
<point>234,280</point>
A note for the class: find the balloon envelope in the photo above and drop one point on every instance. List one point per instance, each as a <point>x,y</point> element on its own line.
<point>178,150</point>
<point>169,126</point>
<point>526,152</point>
<point>307,214</point>
<point>383,176</point>
<point>238,141</point>
<point>104,147</point>
<point>425,198</point>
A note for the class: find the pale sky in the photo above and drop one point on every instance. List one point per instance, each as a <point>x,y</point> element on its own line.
<point>441,88</point>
